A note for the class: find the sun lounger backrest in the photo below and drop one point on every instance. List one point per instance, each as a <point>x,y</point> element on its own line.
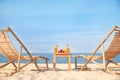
<point>114,48</point>
<point>6,47</point>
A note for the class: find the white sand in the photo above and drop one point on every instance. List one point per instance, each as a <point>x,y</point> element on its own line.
<point>61,73</point>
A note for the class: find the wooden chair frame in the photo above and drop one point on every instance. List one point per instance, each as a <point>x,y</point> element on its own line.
<point>20,56</point>
<point>91,58</point>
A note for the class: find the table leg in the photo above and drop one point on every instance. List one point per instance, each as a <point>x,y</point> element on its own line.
<point>54,63</point>
<point>69,63</point>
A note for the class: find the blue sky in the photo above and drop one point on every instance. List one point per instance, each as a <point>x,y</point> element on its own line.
<point>41,24</point>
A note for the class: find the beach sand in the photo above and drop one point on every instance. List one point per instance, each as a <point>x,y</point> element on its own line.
<point>61,73</point>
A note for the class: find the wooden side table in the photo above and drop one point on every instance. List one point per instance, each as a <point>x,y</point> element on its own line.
<point>66,54</point>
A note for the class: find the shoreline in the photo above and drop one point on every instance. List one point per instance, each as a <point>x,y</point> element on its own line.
<point>30,73</point>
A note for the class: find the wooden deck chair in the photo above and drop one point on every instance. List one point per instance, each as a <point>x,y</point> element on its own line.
<point>109,54</point>
<point>12,54</point>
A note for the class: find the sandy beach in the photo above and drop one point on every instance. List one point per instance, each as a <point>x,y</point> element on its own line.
<point>61,73</point>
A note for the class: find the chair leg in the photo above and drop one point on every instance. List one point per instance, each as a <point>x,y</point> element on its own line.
<point>14,66</point>
<point>6,63</point>
<point>18,68</point>
<point>47,63</point>
<point>107,65</point>
<point>75,62</point>
<point>110,71</point>
<point>35,62</point>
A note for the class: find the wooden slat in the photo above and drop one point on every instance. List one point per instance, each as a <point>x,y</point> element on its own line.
<point>7,46</point>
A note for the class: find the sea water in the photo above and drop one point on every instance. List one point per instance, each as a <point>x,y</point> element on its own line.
<point>60,59</point>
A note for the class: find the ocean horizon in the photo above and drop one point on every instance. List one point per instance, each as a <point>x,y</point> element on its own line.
<point>59,60</point>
